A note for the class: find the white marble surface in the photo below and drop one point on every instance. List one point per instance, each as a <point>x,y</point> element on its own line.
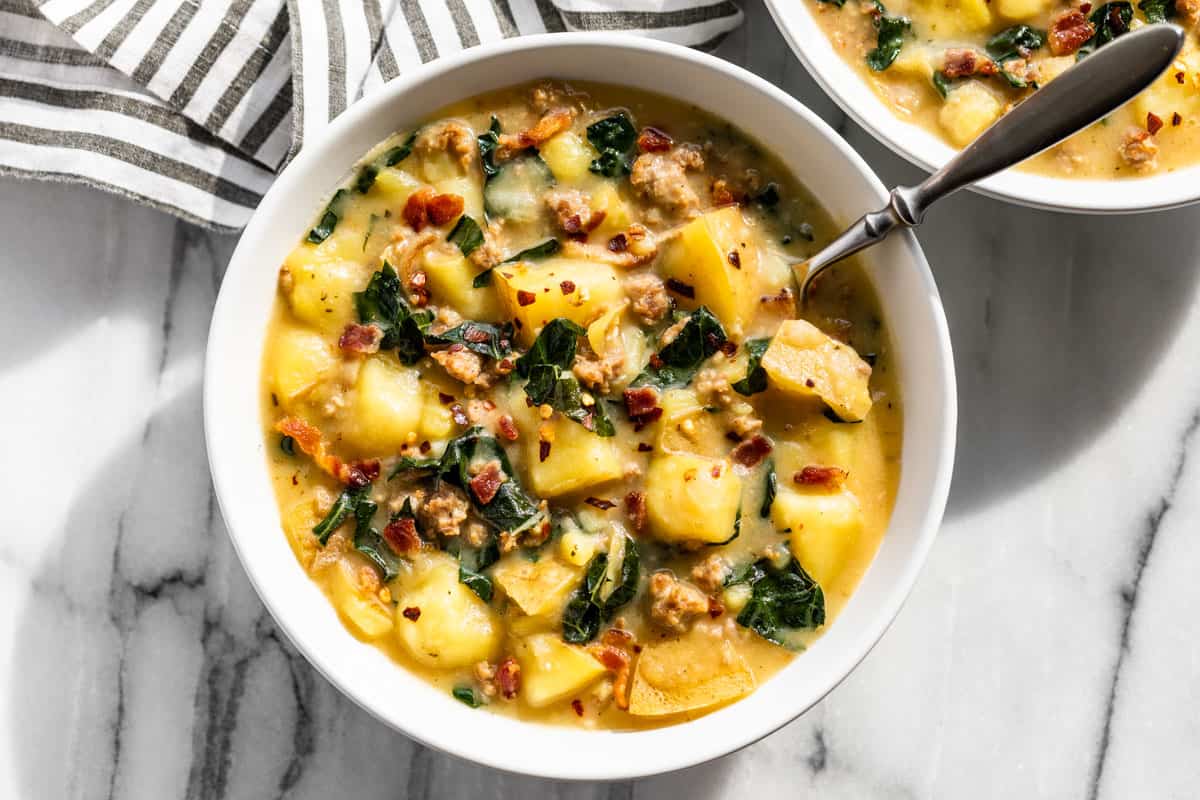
<point>1048,650</point>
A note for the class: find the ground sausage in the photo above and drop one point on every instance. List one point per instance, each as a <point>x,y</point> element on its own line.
<point>648,296</point>
<point>445,510</point>
<point>673,604</point>
<point>662,179</point>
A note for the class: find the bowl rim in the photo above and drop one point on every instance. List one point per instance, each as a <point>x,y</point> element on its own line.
<point>668,756</point>
<point>838,79</point>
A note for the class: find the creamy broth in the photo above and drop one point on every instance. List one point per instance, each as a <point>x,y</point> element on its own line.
<point>544,422</point>
<point>958,62</point>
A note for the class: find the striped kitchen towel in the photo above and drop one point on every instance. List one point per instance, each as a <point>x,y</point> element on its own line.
<point>192,106</point>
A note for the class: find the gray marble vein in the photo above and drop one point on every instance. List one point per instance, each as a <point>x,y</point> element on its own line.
<point>1048,650</point>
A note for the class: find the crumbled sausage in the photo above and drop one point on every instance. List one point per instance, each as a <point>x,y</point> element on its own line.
<point>445,510</point>
<point>751,452</point>
<point>713,386</point>
<point>673,603</point>
<point>461,364</point>
<point>1068,31</point>
<point>485,678</point>
<point>648,297</point>
<point>508,678</point>
<point>710,574</point>
<point>572,208</point>
<point>1139,150</point>
<point>597,370</point>
<point>449,137</point>
<point>662,179</point>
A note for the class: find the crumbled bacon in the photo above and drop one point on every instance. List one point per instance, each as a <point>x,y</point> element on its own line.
<point>487,482</point>
<point>401,535</point>
<point>815,475</point>
<point>635,507</point>
<point>361,338</point>
<point>551,124</point>
<point>507,428</point>
<point>508,678</point>
<point>652,140</point>
<point>444,208</point>
<point>751,452</point>
<point>1068,31</point>
<point>426,207</point>
<point>715,607</point>
<point>618,243</point>
<point>412,613</point>
<point>308,438</point>
<point>567,286</point>
<point>1154,123</point>
<point>641,403</point>
<point>959,62</point>
<point>612,651</point>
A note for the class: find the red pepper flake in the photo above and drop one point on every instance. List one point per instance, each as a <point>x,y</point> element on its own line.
<point>827,477</point>
<point>751,452</point>
<point>508,678</point>
<point>525,298</point>
<point>715,471</point>
<point>600,503</point>
<point>1175,119</point>
<point>635,507</point>
<point>295,480</point>
<point>715,607</point>
<point>735,258</point>
<point>618,243</point>
<point>446,399</point>
<point>505,366</point>
<point>412,613</point>
<point>644,448</point>
<point>680,288</point>
<point>543,450</point>
<point>401,535</point>
<point>577,706</point>
<point>487,482</point>
<point>1179,77</point>
<point>425,446</point>
<point>459,415</point>
<point>728,348</point>
<point>1153,123</point>
<point>652,140</point>
<point>508,430</point>
<point>361,338</point>
<point>809,382</point>
<point>567,287</point>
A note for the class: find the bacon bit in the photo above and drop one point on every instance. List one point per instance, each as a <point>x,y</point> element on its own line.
<point>412,613</point>
<point>1153,123</point>
<point>459,415</point>
<point>652,140</point>
<point>826,477</point>
<point>656,361</point>
<point>543,450</point>
<point>508,678</point>
<point>618,243</point>
<point>728,348</point>
<point>456,347</point>
<point>425,207</point>
<point>525,298</point>
<point>1175,119</point>
<point>735,259</point>
<point>446,399</point>
<point>1085,7</point>
<point>644,448</point>
<point>487,482</point>
<point>1179,77</point>
<point>715,607</point>
<point>751,452</point>
<point>444,208</point>
<point>308,439</point>
<point>368,468</point>
<point>641,404</point>
<point>552,123</point>
<point>635,507</point>
<point>425,446</point>
<point>715,471</point>
<point>600,503</point>
<point>361,338</point>
<point>401,535</point>
<point>505,366</point>
<point>680,288</point>
<point>961,62</point>
<point>1069,30</point>
<point>507,428</point>
<point>577,706</point>
<point>612,651</point>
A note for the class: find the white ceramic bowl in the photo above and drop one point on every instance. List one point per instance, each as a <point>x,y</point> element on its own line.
<point>910,141</point>
<point>235,435</point>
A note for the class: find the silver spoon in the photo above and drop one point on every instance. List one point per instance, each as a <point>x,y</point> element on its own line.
<point>1084,94</point>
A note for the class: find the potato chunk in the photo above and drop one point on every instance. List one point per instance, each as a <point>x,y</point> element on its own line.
<point>355,596</point>
<point>455,628</point>
<point>953,17</point>
<point>691,498</point>
<point>534,294</point>
<point>539,588</point>
<point>696,670</point>
<point>803,361</point>
<point>386,407</point>
<point>577,457</point>
<point>450,278</point>
<point>299,360</point>
<point>320,289</point>
<point>967,111</point>
<point>717,255</point>
<point>823,528</point>
<point>568,156</point>
<point>1020,9</point>
<point>553,670</point>
<point>685,427</point>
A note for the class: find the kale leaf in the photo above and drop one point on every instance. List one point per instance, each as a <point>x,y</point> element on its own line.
<point>782,600</point>
<point>678,362</point>
<point>329,219</point>
<point>487,340</point>
<point>467,696</point>
<point>1015,42</point>
<point>756,377</point>
<point>889,38</point>
<point>770,490</point>
<point>614,138</point>
<point>342,508</point>
<point>466,234</point>
<point>488,142</point>
<point>1157,10</point>
<point>546,368</point>
<point>600,595</point>
<point>538,251</point>
<point>356,502</point>
<point>382,303</point>
<point>1110,20</point>
<point>388,158</point>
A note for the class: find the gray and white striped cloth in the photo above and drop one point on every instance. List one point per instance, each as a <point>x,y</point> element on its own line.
<point>192,106</point>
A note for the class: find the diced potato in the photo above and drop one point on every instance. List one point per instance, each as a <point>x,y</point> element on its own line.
<point>632,342</point>
<point>694,671</point>
<point>1021,9</point>
<point>823,527</point>
<point>437,421</point>
<point>968,110</point>
<point>1167,96</point>
<point>387,405</point>
<point>914,61</point>
<point>539,588</point>
<point>803,361</point>
<point>299,359</point>
<point>394,186</point>
<point>450,276</point>
<point>606,198</point>
<point>1047,69</point>
<point>944,18</point>
<point>354,586</point>
<point>533,294</point>
<point>440,165</point>
<point>690,498</point>
<point>568,155</point>
<point>455,628</point>
<point>578,458</point>
<point>685,427</point>
<point>298,523</point>
<point>700,257</point>
<point>577,547</point>
<point>469,189</point>
<point>553,670</point>
<point>818,441</point>
<point>322,289</point>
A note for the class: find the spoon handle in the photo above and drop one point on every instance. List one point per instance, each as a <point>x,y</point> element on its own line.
<point>1084,94</point>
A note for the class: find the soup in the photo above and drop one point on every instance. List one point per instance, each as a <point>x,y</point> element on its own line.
<point>545,424</point>
<point>955,67</point>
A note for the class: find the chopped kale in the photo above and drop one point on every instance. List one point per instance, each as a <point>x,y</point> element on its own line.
<point>756,377</point>
<point>467,234</point>
<point>488,142</point>
<point>1157,10</point>
<point>1015,42</point>
<point>329,219</point>
<point>467,696</point>
<point>345,506</point>
<point>614,138</point>
<point>942,83</point>
<point>679,361</point>
<point>602,593</point>
<point>769,491</point>
<point>389,158</point>
<point>889,38</point>
<point>546,368</point>
<point>782,600</point>
<point>1110,21</point>
<point>487,340</point>
<point>382,303</point>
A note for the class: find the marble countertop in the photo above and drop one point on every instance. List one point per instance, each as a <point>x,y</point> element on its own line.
<point>1048,650</point>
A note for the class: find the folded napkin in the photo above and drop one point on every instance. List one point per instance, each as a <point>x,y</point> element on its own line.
<point>192,106</point>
